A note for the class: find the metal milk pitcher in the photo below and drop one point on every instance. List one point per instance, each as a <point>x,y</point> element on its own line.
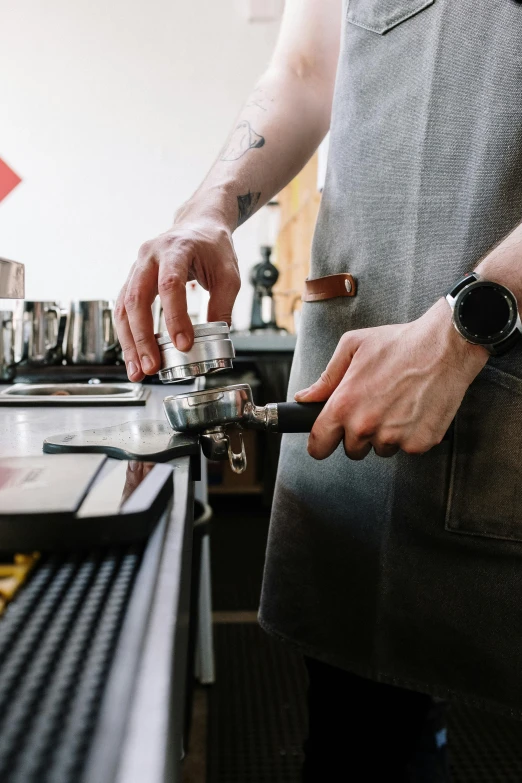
<point>39,332</point>
<point>7,347</point>
<point>91,335</point>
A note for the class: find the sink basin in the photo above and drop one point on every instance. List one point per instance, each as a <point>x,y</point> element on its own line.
<point>75,394</point>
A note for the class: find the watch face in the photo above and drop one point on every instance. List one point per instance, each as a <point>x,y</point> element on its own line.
<point>486,312</point>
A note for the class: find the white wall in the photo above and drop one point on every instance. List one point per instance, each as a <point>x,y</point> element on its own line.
<point>111,111</point>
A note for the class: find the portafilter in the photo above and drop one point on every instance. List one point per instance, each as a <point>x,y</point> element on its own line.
<point>215,414</point>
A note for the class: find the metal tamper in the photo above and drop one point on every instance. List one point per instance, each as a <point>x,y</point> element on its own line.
<point>212,351</point>
<point>215,414</point>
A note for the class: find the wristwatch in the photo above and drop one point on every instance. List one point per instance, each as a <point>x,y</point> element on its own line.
<point>485,313</point>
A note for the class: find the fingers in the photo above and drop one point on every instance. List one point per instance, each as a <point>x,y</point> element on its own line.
<point>223,295</point>
<point>325,436</point>
<point>358,452</point>
<point>140,293</point>
<point>334,425</point>
<point>123,330</point>
<point>385,450</point>
<point>330,429</point>
<point>335,370</point>
<point>172,282</point>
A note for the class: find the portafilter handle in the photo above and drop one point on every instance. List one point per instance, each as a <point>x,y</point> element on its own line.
<point>290,416</point>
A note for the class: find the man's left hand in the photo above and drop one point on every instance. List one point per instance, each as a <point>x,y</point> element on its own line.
<point>393,387</point>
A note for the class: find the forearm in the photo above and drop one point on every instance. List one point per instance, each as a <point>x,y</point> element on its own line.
<point>277,131</point>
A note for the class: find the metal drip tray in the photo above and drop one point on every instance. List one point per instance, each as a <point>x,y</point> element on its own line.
<point>75,394</point>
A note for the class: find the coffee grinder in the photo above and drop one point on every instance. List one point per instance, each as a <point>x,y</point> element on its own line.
<point>263,277</point>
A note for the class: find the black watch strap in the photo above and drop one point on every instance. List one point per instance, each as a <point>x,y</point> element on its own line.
<point>470,277</point>
<point>506,345</point>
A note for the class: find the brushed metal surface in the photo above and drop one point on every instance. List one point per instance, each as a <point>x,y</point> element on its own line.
<point>7,346</point>
<point>75,394</point>
<point>39,329</point>
<point>12,279</point>
<point>212,351</point>
<point>91,334</point>
<point>205,411</point>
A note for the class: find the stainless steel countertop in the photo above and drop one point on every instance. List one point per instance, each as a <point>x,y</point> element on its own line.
<point>22,430</point>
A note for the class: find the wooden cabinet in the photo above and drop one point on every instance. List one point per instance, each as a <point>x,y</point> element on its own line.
<point>299,207</point>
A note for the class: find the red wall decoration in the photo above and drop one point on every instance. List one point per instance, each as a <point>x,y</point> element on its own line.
<point>8,179</point>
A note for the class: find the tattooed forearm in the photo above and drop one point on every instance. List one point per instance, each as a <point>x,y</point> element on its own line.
<point>251,104</point>
<point>257,99</point>
<point>260,98</point>
<point>243,139</point>
<point>246,206</point>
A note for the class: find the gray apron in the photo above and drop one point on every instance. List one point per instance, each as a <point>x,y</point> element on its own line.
<point>409,570</point>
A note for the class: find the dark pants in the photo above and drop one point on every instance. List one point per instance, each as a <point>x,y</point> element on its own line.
<point>362,731</point>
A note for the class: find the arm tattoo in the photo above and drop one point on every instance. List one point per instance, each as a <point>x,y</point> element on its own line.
<point>258,99</point>
<point>251,104</point>
<point>243,139</point>
<point>246,206</point>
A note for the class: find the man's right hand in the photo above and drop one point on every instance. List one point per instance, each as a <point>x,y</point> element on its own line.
<point>280,126</point>
<point>197,247</point>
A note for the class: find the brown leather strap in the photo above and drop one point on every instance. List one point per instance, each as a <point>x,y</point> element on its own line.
<point>329,287</point>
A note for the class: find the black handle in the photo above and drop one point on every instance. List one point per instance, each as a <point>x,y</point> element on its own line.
<point>301,416</point>
<point>297,416</point>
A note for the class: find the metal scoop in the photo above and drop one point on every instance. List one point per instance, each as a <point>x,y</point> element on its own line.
<point>216,413</point>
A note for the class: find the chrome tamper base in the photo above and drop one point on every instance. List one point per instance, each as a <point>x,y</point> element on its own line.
<point>212,351</point>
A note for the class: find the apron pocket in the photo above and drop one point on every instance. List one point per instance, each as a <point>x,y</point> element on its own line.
<point>485,495</point>
<point>379,16</point>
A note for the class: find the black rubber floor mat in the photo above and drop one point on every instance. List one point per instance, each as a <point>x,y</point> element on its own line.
<point>239,530</point>
<point>257,719</point>
<point>57,638</point>
<point>256,709</point>
<point>484,748</point>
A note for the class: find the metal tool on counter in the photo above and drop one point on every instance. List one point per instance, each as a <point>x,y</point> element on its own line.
<point>91,334</point>
<point>12,286</point>
<point>212,351</point>
<point>7,346</point>
<point>215,414</point>
<point>40,328</point>
<point>74,394</point>
<point>12,279</point>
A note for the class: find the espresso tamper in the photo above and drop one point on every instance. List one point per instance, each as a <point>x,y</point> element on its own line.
<point>212,351</point>
<point>215,414</point>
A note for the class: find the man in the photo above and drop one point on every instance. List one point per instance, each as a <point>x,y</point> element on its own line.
<point>401,577</point>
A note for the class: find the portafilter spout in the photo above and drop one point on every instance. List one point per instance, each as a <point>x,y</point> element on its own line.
<point>212,414</point>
